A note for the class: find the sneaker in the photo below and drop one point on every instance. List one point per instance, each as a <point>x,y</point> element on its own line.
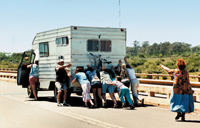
<point>85,105</point>
<point>124,105</point>
<point>65,104</point>
<point>59,104</point>
<point>115,106</point>
<point>92,106</point>
<point>105,105</point>
<point>132,107</point>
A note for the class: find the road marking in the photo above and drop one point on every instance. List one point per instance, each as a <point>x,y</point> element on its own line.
<point>66,113</point>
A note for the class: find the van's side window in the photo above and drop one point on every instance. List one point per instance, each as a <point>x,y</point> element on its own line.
<point>44,49</point>
<point>92,45</point>
<point>62,41</point>
<point>105,45</point>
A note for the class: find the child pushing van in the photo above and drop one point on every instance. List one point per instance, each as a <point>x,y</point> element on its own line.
<point>123,91</point>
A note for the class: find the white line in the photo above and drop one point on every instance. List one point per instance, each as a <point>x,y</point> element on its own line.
<point>67,113</point>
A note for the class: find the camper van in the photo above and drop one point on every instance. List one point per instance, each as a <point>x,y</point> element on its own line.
<point>80,46</point>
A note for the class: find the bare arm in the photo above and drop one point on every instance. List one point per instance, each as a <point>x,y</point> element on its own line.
<point>29,66</point>
<point>167,69</point>
<point>74,80</point>
<point>125,59</point>
<point>110,83</point>
<point>64,66</point>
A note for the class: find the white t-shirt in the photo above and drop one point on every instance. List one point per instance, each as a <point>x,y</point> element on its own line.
<point>119,85</point>
<point>131,73</point>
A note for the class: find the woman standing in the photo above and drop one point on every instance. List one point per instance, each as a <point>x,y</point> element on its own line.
<point>95,84</point>
<point>181,100</point>
<point>85,85</point>
<point>33,77</point>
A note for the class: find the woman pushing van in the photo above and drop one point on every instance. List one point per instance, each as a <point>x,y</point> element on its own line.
<point>85,85</point>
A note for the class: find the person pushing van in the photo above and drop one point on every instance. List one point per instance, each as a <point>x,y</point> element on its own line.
<point>62,81</point>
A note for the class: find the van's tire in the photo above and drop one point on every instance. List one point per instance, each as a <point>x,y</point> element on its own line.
<point>30,92</point>
<point>79,93</point>
<point>69,91</point>
<point>55,93</point>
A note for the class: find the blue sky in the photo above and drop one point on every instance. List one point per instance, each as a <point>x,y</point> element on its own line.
<point>146,20</point>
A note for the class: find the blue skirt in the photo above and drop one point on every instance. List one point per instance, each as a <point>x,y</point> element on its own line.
<point>181,103</point>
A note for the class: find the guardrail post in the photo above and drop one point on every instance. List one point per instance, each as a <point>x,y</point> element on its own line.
<point>168,95</point>
<point>149,76</point>
<point>195,98</point>
<point>151,94</point>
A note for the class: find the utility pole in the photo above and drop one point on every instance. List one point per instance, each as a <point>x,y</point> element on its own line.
<point>119,15</point>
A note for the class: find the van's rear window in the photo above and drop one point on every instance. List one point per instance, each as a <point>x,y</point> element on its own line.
<point>96,45</point>
<point>93,45</point>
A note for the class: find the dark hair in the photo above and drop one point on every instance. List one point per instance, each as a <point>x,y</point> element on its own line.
<point>79,70</point>
<point>90,69</point>
<point>118,78</point>
<point>112,73</point>
<point>181,64</point>
<point>36,62</point>
<point>127,66</point>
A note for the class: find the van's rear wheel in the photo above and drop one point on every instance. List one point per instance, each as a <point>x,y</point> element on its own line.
<point>30,92</point>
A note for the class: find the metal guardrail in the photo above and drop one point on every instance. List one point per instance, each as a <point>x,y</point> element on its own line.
<point>12,74</point>
<point>8,69</point>
<point>150,76</point>
<point>8,75</point>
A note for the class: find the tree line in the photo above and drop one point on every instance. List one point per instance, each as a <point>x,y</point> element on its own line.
<point>165,49</point>
<point>8,60</point>
<point>145,58</point>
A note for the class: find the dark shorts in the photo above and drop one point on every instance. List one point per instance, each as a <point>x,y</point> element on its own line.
<point>96,84</point>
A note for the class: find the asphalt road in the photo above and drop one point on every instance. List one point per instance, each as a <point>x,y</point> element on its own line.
<point>17,110</point>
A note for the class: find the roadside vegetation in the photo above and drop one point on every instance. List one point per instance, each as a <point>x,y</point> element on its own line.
<point>144,58</point>
<point>8,60</point>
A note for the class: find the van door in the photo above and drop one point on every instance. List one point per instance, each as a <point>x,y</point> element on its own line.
<point>23,71</point>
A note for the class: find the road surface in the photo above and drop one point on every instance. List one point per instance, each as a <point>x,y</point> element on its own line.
<point>19,111</point>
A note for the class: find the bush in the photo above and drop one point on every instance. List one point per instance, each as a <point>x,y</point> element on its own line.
<point>191,68</point>
<point>164,77</point>
<point>138,69</point>
<point>141,56</point>
<point>157,62</point>
<point>127,56</point>
<point>162,60</point>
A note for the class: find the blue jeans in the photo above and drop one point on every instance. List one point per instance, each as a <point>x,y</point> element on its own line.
<point>125,92</point>
<point>134,87</point>
<point>110,88</point>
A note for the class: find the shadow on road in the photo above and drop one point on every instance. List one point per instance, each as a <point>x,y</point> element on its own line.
<point>77,101</point>
<point>189,121</point>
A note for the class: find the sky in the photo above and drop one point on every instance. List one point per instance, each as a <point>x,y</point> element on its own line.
<point>155,21</point>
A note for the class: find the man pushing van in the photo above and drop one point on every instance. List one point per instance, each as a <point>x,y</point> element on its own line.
<point>62,81</point>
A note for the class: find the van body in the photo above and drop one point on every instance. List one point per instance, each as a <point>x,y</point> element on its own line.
<point>74,44</point>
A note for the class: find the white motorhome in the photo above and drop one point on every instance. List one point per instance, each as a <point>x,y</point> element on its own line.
<point>74,44</point>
